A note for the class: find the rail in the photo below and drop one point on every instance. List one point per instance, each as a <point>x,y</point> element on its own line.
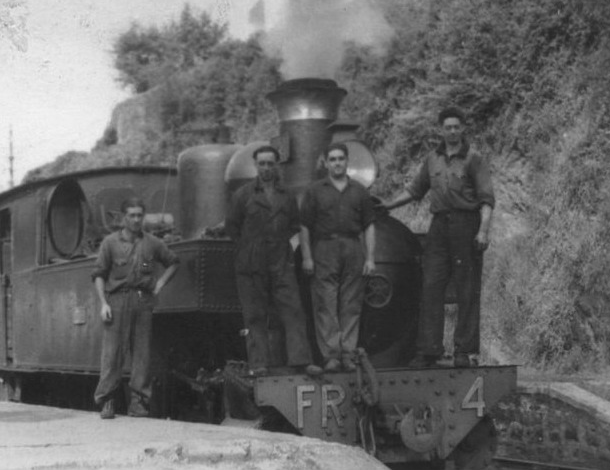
<point>506,463</point>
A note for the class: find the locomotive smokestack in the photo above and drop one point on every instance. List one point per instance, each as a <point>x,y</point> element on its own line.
<point>306,107</point>
<point>307,98</point>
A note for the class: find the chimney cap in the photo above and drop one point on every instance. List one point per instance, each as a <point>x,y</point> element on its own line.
<point>307,98</point>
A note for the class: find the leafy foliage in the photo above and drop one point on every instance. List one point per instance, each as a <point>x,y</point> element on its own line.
<point>147,57</point>
<point>229,89</point>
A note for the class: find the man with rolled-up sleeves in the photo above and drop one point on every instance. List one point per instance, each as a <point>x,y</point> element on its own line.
<point>461,201</point>
<point>337,212</point>
<point>127,287</point>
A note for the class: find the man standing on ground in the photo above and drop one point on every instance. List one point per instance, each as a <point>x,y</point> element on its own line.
<point>461,201</point>
<point>127,287</point>
<point>335,212</point>
<point>262,218</point>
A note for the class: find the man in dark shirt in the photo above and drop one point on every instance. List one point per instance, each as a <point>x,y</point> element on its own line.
<point>461,201</point>
<point>126,285</point>
<point>262,218</point>
<point>335,212</point>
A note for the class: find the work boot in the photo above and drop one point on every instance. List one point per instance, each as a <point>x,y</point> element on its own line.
<point>461,360</point>
<point>348,364</point>
<point>107,409</point>
<point>422,361</point>
<point>137,409</point>
<point>333,365</point>
<point>313,370</point>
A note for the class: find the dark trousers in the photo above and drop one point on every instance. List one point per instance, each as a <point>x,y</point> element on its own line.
<point>129,334</point>
<point>273,290</point>
<point>337,294</point>
<point>451,254</point>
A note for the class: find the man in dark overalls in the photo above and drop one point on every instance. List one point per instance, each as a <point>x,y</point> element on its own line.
<point>127,287</point>
<point>335,213</point>
<point>461,201</point>
<point>262,218</point>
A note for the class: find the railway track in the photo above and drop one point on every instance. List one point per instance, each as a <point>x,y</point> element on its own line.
<point>503,463</point>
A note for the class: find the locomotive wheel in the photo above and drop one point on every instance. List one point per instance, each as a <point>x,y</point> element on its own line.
<point>477,449</point>
<point>378,291</point>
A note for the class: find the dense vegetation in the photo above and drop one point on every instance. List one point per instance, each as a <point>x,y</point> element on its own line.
<point>532,75</point>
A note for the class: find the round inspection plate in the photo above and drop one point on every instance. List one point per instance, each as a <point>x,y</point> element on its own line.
<point>378,291</point>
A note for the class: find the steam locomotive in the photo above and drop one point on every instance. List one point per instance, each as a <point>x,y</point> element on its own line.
<point>50,332</point>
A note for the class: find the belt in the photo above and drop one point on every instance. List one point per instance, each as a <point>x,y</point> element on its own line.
<point>337,236</point>
<point>125,290</point>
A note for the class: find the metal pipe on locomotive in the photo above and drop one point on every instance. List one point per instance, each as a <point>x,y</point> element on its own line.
<point>50,331</point>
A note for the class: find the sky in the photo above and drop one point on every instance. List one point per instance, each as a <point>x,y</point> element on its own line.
<point>58,86</point>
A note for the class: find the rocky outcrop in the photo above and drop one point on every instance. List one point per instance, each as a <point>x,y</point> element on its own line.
<point>136,120</point>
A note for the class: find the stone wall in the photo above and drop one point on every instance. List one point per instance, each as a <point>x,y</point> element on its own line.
<point>138,119</point>
<point>558,423</point>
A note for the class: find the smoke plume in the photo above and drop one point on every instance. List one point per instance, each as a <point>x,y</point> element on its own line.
<point>311,35</point>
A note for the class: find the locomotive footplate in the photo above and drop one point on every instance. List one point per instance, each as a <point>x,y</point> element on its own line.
<point>421,414</point>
